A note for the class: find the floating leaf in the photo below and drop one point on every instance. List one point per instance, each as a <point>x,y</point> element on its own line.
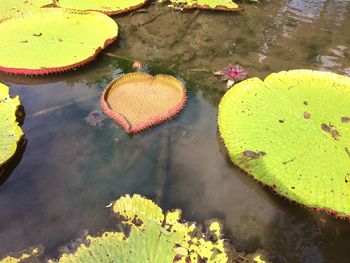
<point>53,39</point>
<point>152,237</point>
<point>223,5</point>
<point>109,7</point>
<point>138,101</point>
<point>288,132</point>
<point>10,132</point>
<point>11,7</point>
<point>29,255</point>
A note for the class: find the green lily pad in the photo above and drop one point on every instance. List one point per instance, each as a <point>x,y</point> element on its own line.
<point>110,7</point>
<point>10,132</point>
<point>11,7</point>
<point>151,236</point>
<point>223,5</point>
<point>29,255</point>
<point>53,39</point>
<point>292,133</point>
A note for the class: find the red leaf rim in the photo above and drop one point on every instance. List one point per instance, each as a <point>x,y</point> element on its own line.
<point>155,120</point>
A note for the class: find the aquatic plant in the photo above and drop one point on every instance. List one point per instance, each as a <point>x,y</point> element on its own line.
<point>150,236</point>
<point>291,132</point>
<point>109,7</point>
<point>232,74</point>
<point>50,40</point>
<point>223,5</point>
<point>29,255</point>
<point>11,7</point>
<point>138,101</point>
<point>10,132</point>
<point>95,118</point>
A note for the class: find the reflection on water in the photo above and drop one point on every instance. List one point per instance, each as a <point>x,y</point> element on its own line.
<point>71,170</point>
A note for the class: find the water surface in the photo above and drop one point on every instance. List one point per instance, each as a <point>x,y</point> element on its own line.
<point>71,170</point>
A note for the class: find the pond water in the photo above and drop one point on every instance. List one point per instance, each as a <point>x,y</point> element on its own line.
<point>71,170</point>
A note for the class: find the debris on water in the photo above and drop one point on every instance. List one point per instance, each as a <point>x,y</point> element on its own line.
<point>307,115</point>
<point>137,65</point>
<point>325,127</point>
<point>95,118</point>
<point>252,154</point>
<point>232,74</point>
<point>335,134</point>
<point>345,119</point>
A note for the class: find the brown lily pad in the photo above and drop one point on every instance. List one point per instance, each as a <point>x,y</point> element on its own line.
<point>138,101</point>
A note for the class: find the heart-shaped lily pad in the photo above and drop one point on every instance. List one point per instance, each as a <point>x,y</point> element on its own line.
<point>138,101</point>
<point>222,5</point>
<point>292,133</point>
<point>110,7</point>
<point>53,39</point>
<point>11,7</point>
<point>10,132</point>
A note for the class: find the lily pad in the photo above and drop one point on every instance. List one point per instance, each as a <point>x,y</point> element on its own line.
<point>222,5</point>
<point>11,7</point>
<point>53,39</point>
<point>110,7</point>
<point>138,101</point>
<point>151,236</point>
<point>290,132</point>
<point>30,255</point>
<point>10,132</point>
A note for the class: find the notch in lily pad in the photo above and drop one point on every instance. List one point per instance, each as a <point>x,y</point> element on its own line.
<point>138,101</point>
<point>307,155</point>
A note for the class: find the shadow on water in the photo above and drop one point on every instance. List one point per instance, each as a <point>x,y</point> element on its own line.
<point>71,170</point>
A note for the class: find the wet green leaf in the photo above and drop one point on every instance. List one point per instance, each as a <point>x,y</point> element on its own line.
<point>106,6</point>
<point>53,39</point>
<point>288,132</point>
<point>10,132</point>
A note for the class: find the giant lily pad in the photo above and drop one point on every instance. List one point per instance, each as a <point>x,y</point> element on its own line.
<point>30,255</point>
<point>11,7</point>
<point>223,5</point>
<point>292,133</point>
<point>53,39</point>
<point>109,7</point>
<point>151,236</point>
<point>138,101</point>
<point>10,132</point>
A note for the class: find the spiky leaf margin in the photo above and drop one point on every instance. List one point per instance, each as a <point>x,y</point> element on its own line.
<point>153,237</point>
<point>50,40</point>
<point>292,133</point>
<point>137,77</point>
<point>109,7</point>
<point>10,132</point>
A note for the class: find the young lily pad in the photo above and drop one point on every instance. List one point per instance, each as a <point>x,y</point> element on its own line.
<point>151,236</point>
<point>11,7</point>
<point>110,7</point>
<point>10,132</point>
<point>138,101</point>
<point>223,5</point>
<point>53,39</point>
<point>290,132</point>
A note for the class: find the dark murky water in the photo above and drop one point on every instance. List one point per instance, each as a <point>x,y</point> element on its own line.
<point>70,170</point>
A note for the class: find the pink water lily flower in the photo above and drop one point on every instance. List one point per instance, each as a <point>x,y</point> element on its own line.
<point>232,74</point>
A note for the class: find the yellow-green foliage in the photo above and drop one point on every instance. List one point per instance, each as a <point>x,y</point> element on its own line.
<point>11,7</point>
<point>10,132</point>
<point>153,237</point>
<point>28,256</point>
<point>105,6</point>
<point>226,5</point>
<point>52,39</point>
